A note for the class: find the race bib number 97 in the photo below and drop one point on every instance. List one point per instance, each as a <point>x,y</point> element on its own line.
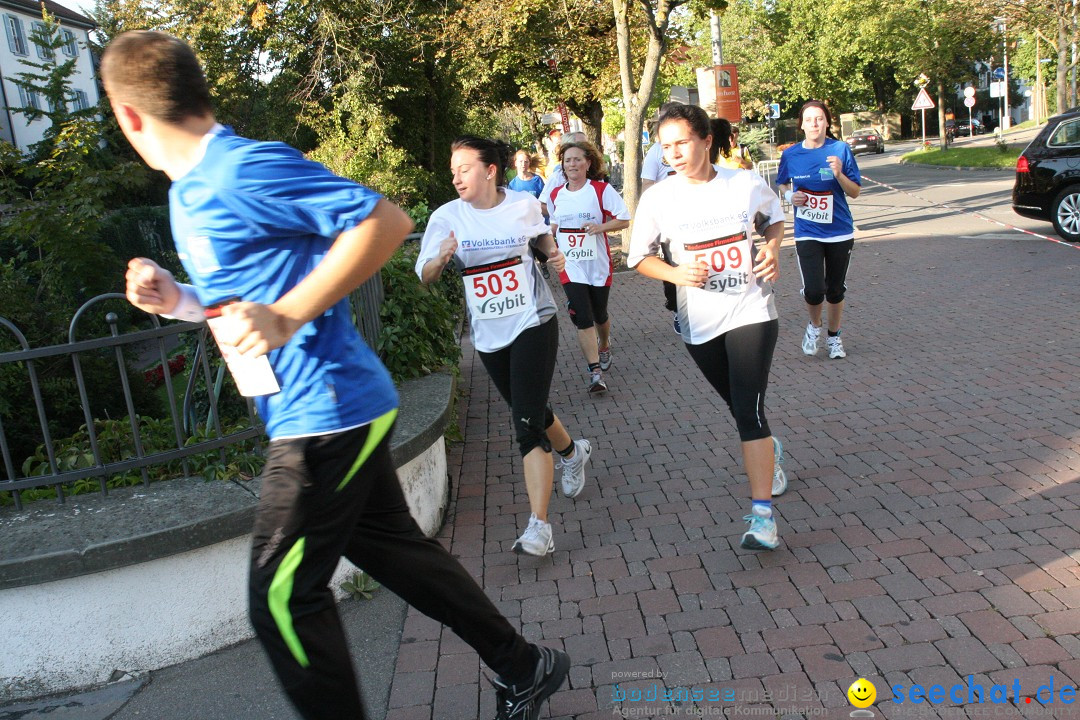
<point>576,244</point>
<point>818,207</point>
<point>497,289</point>
<point>728,260</point>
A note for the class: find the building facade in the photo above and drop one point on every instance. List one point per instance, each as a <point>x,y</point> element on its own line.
<point>20,18</point>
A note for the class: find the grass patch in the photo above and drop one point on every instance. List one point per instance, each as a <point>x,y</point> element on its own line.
<point>1026,125</point>
<point>988,157</point>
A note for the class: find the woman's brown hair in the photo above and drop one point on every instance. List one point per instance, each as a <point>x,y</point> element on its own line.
<point>596,169</point>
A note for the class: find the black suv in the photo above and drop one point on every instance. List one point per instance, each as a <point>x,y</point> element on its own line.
<point>1048,176</point>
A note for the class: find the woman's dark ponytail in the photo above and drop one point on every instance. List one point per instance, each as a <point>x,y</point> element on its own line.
<point>491,152</point>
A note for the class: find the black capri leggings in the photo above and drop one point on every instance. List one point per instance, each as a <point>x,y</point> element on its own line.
<point>587,304</point>
<point>824,266</point>
<point>737,365</point>
<point>522,374</point>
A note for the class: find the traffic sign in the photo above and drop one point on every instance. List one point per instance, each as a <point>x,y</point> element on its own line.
<point>999,73</point>
<point>969,92</point>
<point>969,102</point>
<point>774,111</point>
<point>923,101</point>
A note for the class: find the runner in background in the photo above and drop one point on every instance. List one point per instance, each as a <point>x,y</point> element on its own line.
<point>654,169</point>
<point>823,172</point>
<point>706,217</point>
<point>259,221</point>
<point>583,212</point>
<point>740,151</point>
<point>526,179</point>
<point>724,148</point>
<point>488,233</point>
<point>556,177</point>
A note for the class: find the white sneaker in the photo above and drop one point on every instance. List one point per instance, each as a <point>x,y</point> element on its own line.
<point>536,540</point>
<point>836,347</point>
<point>605,359</point>
<point>573,470</point>
<point>810,339</point>
<point>596,382</point>
<point>762,533</point>
<point>779,479</point>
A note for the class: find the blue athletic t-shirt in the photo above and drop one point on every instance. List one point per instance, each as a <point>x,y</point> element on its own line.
<point>251,220</point>
<point>534,186</point>
<point>803,168</point>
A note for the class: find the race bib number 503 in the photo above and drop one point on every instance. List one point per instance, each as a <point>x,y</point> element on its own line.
<point>497,289</point>
<point>728,260</point>
<point>818,207</point>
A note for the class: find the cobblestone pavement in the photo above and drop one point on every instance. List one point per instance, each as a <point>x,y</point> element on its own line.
<point>928,536</point>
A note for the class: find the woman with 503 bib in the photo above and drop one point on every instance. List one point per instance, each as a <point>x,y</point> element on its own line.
<point>489,233</point>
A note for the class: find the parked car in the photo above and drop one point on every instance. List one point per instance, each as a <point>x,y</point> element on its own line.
<point>866,140</point>
<point>962,129</point>
<point>1048,176</point>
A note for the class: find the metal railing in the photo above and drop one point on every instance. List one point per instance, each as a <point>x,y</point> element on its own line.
<point>767,169</point>
<point>191,433</point>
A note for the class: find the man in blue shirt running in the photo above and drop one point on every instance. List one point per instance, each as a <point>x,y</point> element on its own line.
<point>274,243</point>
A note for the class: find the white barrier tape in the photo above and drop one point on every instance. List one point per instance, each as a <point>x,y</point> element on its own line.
<point>976,214</point>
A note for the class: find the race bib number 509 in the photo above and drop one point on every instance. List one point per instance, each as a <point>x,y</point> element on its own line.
<point>728,260</point>
<point>497,289</point>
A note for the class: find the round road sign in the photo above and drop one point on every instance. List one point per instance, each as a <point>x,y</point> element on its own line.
<point>969,92</point>
<point>969,102</point>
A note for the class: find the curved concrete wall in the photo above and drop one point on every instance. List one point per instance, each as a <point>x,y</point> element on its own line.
<point>79,631</point>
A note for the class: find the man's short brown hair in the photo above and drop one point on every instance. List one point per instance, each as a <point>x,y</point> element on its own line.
<point>157,74</point>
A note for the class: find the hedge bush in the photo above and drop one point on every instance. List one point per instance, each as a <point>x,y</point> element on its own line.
<point>419,322</point>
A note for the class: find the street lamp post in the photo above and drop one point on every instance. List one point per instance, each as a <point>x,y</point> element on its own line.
<point>1006,121</point>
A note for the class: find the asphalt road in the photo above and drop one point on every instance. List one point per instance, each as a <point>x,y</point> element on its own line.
<point>905,199</point>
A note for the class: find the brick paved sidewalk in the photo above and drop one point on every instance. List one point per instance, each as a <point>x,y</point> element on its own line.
<point>928,533</point>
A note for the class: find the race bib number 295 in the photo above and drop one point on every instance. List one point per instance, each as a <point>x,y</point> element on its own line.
<point>497,289</point>
<point>818,207</point>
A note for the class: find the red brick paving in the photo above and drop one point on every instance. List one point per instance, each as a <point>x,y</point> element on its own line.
<point>928,533</point>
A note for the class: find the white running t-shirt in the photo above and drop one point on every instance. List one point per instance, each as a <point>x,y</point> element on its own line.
<point>654,167</point>
<point>504,291</point>
<point>712,222</point>
<point>588,257</point>
<point>555,179</point>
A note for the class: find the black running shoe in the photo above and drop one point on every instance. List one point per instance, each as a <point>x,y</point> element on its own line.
<point>522,702</point>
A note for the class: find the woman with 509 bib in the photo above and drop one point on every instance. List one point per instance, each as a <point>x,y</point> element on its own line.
<point>823,173</point>
<point>704,218</point>
<point>489,233</point>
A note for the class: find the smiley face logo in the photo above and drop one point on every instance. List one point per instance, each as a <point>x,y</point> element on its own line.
<point>862,693</point>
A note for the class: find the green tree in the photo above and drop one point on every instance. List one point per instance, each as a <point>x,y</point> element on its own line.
<point>51,258</point>
<point>539,53</point>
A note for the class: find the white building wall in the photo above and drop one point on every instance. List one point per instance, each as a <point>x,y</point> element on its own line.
<point>78,631</point>
<point>21,133</point>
